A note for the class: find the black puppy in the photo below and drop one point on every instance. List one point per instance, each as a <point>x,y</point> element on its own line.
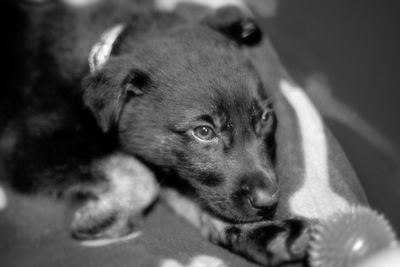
<point>179,96</point>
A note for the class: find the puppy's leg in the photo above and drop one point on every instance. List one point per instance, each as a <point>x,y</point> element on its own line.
<point>269,243</point>
<point>112,208</point>
<point>43,154</point>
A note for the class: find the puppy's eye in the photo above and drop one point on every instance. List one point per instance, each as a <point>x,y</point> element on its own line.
<point>266,116</point>
<point>204,133</point>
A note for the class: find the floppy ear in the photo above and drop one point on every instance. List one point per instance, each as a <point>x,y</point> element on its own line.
<point>234,23</point>
<point>106,92</point>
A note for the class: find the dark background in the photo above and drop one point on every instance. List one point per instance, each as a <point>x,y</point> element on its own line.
<point>356,46</point>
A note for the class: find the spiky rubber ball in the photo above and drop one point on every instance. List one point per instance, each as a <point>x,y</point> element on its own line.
<point>349,237</point>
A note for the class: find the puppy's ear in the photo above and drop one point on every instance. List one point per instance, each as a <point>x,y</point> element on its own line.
<point>106,92</point>
<point>236,24</point>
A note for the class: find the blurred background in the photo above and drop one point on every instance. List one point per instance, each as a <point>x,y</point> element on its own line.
<point>346,54</point>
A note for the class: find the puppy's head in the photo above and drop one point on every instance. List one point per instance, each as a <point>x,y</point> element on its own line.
<point>188,101</point>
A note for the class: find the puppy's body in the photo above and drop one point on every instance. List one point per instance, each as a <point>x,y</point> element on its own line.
<point>179,96</point>
<point>53,127</point>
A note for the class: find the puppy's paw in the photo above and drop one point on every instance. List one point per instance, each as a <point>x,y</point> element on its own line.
<point>270,243</point>
<point>101,219</point>
<point>283,242</point>
<point>298,238</point>
<point>113,208</point>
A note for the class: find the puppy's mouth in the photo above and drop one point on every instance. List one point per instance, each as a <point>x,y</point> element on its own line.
<point>266,214</point>
<point>242,214</point>
<point>232,207</point>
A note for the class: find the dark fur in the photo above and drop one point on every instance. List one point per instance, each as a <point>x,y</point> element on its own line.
<point>165,77</point>
<point>184,87</point>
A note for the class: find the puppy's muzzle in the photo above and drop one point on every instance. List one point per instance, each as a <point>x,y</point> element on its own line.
<point>260,192</point>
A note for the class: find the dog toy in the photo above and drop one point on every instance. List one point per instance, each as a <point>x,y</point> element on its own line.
<point>350,238</point>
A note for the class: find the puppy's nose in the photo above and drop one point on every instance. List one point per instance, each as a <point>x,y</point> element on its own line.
<point>261,192</point>
<point>263,199</point>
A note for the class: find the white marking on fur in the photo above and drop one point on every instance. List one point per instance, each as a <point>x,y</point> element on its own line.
<point>131,188</point>
<point>315,199</point>
<point>198,261</point>
<point>3,198</point>
<point>101,51</point>
<point>132,183</point>
<point>170,5</point>
<point>105,242</point>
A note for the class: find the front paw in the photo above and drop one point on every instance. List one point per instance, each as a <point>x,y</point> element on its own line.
<point>101,219</point>
<point>113,208</point>
<point>281,242</point>
<point>271,243</point>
